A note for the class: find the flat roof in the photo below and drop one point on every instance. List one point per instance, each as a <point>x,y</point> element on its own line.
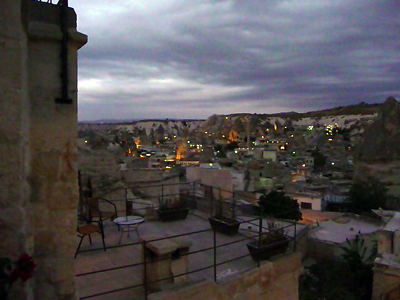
<point>342,228</point>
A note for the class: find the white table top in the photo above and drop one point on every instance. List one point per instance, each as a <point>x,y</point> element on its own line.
<point>128,220</point>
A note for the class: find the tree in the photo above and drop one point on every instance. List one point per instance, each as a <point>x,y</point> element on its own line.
<point>278,205</point>
<point>366,195</point>
<point>319,160</point>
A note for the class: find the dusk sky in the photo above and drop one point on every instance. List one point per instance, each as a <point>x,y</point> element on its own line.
<point>195,58</point>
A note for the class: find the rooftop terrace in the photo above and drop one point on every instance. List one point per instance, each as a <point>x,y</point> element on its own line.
<point>128,256</point>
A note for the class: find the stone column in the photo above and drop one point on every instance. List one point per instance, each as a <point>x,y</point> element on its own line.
<point>15,219</point>
<point>38,166</point>
<point>53,136</point>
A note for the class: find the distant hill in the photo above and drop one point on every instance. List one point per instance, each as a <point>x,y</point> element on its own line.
<point>358,109</point>
<point>354,117</point>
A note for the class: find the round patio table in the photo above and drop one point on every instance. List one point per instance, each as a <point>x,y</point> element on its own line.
<point>128,224</point>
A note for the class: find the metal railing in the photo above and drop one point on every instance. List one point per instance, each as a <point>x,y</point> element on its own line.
<point>196,192</point>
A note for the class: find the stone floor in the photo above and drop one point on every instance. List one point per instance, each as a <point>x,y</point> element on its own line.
<point>121,256</point>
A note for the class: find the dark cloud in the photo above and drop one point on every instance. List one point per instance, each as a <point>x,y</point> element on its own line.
<point>191,59</point>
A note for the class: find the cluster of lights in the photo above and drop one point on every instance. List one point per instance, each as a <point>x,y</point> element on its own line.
<point>329,129</point>
<point>310,127</point>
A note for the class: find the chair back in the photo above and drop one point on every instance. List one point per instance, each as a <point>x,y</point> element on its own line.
<point>93,202</point>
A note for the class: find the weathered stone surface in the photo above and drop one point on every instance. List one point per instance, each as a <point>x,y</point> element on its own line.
<point>38,147</point>
<point>378,139</point>
<point>384,283</point>
<point>250,285</point>
<point>379,151</point>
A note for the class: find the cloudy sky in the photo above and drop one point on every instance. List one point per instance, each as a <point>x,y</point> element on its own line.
<point>195,58</point>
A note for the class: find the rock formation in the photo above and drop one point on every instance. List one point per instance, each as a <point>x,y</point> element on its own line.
<point>379,151</point>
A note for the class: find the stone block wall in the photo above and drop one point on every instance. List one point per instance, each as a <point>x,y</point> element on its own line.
<point>38,146</point>
<point>100,165</point>
<point>53,150</point>
<point>153,184</point>
<point>386,283</point>
<point>15,213</point>
<point>273,280</point>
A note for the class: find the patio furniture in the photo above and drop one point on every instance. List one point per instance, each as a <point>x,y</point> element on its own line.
<point>96,213</point>
<point>128,224</point>
<point>87,230</point>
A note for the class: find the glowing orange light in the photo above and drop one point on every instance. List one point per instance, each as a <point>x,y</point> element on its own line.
<point>181,151</point>
<point>233,135</point>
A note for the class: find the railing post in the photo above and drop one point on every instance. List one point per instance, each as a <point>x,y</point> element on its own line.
<point>162,194</point>
<point>211,202</point>
<point>128,211</point>
<point>233,206</point>
<point>215,256</point>
<point>145,270</point>
<point>194,202</point>
<point>260,226</point>
<point>295,235</point>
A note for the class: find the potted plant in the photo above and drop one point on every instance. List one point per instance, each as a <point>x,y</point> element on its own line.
<point>271,243</point>
<point>219,222</point>
<point>172,211</point>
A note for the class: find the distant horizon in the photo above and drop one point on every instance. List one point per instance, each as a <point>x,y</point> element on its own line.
<point>238,113</point>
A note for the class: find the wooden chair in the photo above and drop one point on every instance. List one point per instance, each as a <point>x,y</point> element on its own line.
<point>96,213</point>
<point>87,230</point>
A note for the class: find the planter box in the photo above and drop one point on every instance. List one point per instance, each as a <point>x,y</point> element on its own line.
<point>224,225</point>
<point>172,214</point>
<point>267,251</point>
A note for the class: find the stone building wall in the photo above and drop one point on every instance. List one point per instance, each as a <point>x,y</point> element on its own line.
<point>154,184</point>
<point>38,146</point>
<point>15,216</point>
<point>273,280</point>
<point>386,283</point>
